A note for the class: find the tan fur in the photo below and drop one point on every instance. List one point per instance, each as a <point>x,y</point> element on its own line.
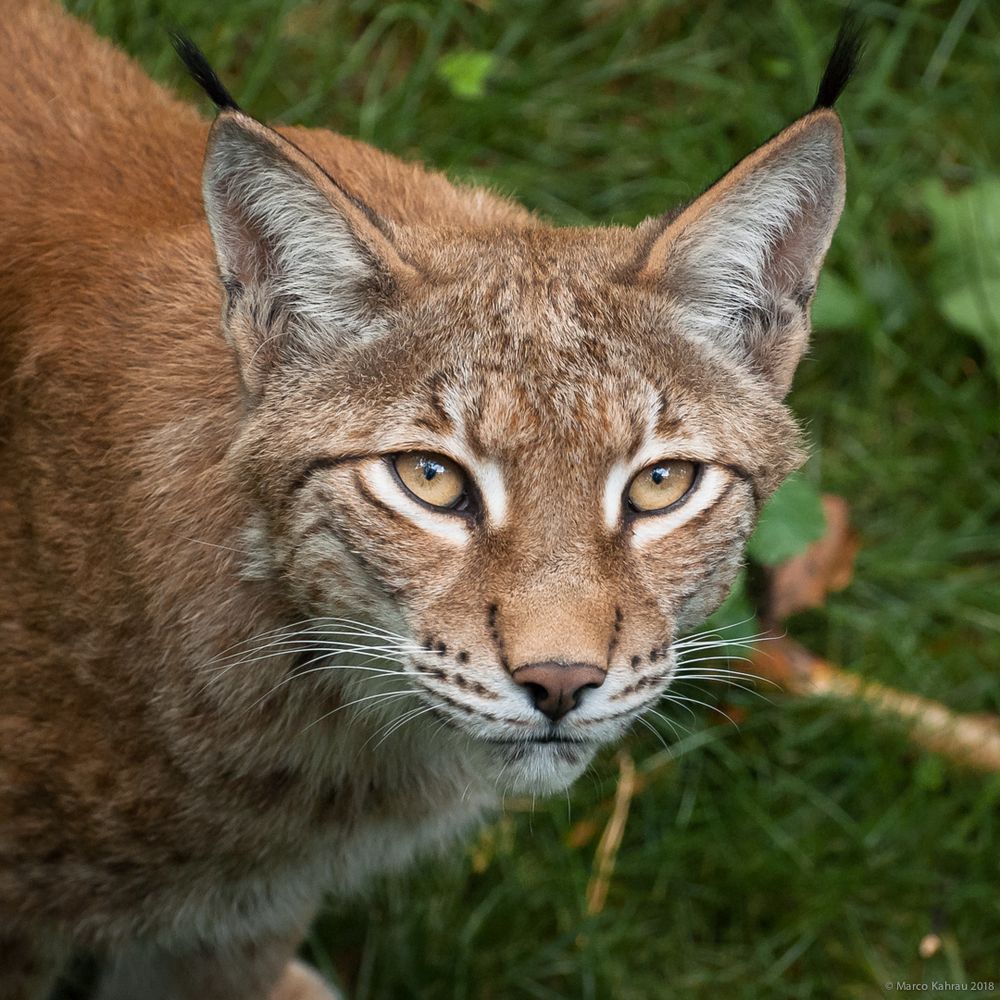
<point>178,807</point>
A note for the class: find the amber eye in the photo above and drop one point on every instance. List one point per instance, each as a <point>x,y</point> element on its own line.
<point>432,478</point>
<point>661,484</point>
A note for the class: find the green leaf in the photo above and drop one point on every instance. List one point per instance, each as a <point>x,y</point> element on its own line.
<point>792,520</point>
<point>838,305</point>
<point>975,308</point>
<point>966,237</point>
<point>966,245</point>
<point>466,72</point>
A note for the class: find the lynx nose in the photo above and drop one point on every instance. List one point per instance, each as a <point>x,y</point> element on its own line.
<point>555,687</point>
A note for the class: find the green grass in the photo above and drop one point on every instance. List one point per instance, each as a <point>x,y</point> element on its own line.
<point>805,853</point>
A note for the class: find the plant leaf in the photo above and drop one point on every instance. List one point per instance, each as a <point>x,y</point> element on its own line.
<point>838,305</point>
<point>975,308</point>
<point>466,72</point>
<point>966,245</point>
<point>792,520</point>
<point>805,580</point>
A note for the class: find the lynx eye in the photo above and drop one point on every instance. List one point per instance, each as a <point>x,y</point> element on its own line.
<point>661,484</point>
<point>432,479</point>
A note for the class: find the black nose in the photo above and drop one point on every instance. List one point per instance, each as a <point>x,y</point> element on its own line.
<point>555,687</point>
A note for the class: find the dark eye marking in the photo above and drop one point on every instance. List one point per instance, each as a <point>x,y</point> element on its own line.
<point>319,464</point>
<point>702,516</point>
<point>743,474</point>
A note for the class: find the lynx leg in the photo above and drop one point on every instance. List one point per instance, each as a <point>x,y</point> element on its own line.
<point>28,970</point>
<point>258,970</point>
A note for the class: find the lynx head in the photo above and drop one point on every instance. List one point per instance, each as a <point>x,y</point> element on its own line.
<point>537,453</point>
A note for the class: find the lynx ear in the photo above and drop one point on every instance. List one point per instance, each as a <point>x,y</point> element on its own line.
<point>304,264</point>
<point>741,262</point>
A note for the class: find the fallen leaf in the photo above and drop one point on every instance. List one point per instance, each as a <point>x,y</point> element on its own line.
<point>466,72</point>
<point>805,580</point>
<point>790,521</point>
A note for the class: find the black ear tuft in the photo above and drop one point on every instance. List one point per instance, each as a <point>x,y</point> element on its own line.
<point>843,62</point>
<point>200,70</point>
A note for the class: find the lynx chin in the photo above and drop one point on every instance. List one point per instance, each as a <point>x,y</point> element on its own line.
<point>340,500</point>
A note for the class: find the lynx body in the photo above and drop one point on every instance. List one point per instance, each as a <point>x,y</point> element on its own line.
<point>242,662</point>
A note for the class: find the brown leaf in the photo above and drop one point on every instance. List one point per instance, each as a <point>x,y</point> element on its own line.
<point>827,565</point>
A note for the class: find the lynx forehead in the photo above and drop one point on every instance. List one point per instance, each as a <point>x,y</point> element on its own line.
<point>341,499</point>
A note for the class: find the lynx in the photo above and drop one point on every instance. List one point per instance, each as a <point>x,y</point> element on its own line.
<point>339,500</point>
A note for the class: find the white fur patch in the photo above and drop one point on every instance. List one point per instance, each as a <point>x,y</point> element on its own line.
<point>614,487</point>
<point>489,479</point>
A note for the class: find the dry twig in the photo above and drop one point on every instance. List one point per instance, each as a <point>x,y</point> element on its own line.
<point>973,740</point>
<point>611,839</point>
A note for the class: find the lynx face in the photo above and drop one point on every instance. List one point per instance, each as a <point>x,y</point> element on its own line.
<point>535,453</point>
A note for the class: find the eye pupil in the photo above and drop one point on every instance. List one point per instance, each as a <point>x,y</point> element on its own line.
<point>431,470</point>
<point>658,475</point>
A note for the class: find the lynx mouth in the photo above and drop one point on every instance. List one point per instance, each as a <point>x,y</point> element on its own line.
<point>557,750</point>
<point>544,740</point>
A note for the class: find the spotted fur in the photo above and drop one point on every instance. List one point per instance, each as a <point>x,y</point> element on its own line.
<point>196,514</point>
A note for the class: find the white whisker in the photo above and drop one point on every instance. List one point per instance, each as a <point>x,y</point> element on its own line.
<point>729,683</point>
<point>319,624</point>
<point>281,647</point>
<point>718,628</point>
<point>292,647</point>
<point>357,701</point>
<point>410,716</point>
<point>678,698</point>
<point>645,723</point>
<point>709,659</point>
<point>321,634</point>
<point>214,545</point>
<point>720,672</point>
<point>326,667</point>
<point>673,723</point>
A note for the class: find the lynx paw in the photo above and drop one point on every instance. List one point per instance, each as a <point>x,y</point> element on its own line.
<point>301,983</point>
